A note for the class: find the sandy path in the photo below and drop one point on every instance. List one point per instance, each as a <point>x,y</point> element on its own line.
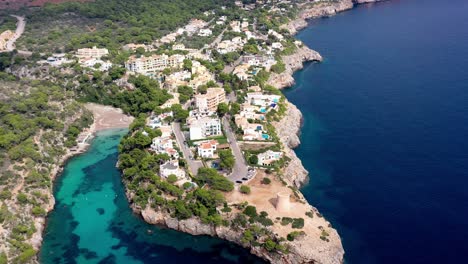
<point>10,45</point>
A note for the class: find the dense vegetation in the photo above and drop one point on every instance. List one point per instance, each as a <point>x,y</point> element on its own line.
<point>38,121</point>
<point>111,23</point>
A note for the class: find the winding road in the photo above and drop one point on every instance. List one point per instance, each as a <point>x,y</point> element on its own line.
<point>10,45</point>
<point>240,167</point>
<point>193,165</point>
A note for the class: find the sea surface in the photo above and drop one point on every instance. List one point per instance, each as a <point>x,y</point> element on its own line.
<point>385,134</point>
<point>93,223</point>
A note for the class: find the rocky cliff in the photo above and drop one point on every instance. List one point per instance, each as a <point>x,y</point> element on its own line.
<point>293,63</point>
<point>288,129</point>
<point>306,249</point>
<point>321,9</point>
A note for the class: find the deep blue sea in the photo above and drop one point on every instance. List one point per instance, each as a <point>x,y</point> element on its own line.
<point>385,134</point>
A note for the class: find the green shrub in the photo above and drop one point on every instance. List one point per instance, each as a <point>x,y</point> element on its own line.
<point>244,189</point>
<point>298,223</point>
<point>22,198</point>
<point>286,220</point>
<point>269,245</point>
<point>250,211</point>
<point>216,181</point>
<point>324,235</point>
<point>293,235</point>
<point>39,211</point>
<point>187,185</point>
<point>266,180</point>
<point>310,214</point>
<point>26,255</point>
<point>172,178</point>
<point>5,194</point>
<point>3,258</point>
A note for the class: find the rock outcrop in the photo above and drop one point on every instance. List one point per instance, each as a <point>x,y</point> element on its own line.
<point>301,250</point>
<point>293,63</point>
<point>321,9</point>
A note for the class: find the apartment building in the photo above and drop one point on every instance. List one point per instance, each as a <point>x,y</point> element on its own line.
<point>154,63</point>
<point>205,127</point>
<point>210,100</point>
<point>92,52</point>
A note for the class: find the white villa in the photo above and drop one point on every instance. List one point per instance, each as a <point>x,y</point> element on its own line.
<point>205,32</point>
<point>260,99</point>
<point>251,131</point>
<point>171,167</point>
<point>91,62</point>
<point>207,149</point>
<point>157,121</point>
<point>275,34</point>
<point>164,145</point>
<point>268,157</point>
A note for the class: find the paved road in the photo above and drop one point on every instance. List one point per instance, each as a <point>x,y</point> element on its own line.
<point>193,165</point>
<point>230,67</point>
<point>218,39</point>
<point>10,45</point>
<point>240,167</point>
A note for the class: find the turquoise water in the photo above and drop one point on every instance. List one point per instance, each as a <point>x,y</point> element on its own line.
<point>385,129</point>
<point>92,221</point>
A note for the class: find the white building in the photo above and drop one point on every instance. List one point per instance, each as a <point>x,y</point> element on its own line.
<point>56,60</point>
<point>164,145</point>
<point>205,32</point>
<point>158,121</point>
<point>235,25</point>
<point>261,99</point>
<point>92,62</point>
<point>268,157</point>
<point>205,127</point>
<point>154,63</point>
<point>92,52</point>
<point>277,45</point>
<point>133,46</point>
<point>275,34</point>
<point>171,168</point>
<point>166,131</point>
<point>207,149</point>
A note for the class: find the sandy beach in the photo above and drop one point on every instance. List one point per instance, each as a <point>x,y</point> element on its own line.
<point>108,117</point>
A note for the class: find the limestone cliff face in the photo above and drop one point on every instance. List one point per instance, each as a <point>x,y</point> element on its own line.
<point>288,129</point>
<point>322,9</point>
<point>293,63</point>
<point>301,250</point>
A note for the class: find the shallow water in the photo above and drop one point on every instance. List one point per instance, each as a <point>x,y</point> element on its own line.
<point>92,221</point>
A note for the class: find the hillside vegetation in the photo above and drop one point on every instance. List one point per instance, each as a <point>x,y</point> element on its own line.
<point>38,121</point>
<point>108,23</point>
